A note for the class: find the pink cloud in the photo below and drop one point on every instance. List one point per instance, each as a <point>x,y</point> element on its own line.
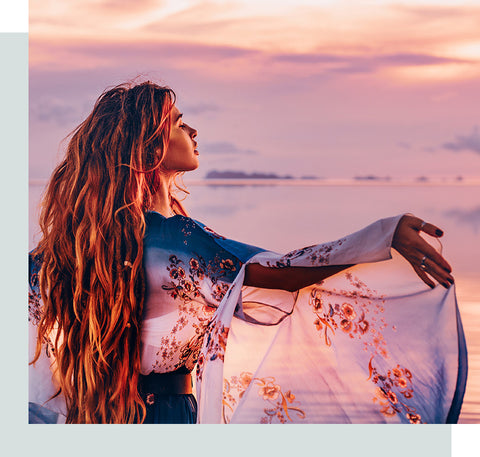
<point>221,60</point>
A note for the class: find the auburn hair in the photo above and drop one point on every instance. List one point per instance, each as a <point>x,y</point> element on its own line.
<point>92,280</point>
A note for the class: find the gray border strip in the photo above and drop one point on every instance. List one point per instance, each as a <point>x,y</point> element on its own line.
<point>14,235</point>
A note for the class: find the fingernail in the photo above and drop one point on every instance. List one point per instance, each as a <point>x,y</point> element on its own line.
<point>438,232</point>
<point>432,286</point>
<point>446,285</point>
<point>450,280</point>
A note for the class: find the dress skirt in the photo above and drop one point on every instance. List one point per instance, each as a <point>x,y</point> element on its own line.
<point>168,397</point>
<point>161,409</point>
<point>170,409</point>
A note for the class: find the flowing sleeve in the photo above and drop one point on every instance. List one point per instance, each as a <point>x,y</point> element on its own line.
<point>370,345</point>
<point>44,406</point>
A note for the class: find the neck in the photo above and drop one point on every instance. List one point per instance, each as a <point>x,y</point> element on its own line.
<point>161,203</point>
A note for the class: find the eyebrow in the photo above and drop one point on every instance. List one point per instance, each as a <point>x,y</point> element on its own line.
<point>178,117</point>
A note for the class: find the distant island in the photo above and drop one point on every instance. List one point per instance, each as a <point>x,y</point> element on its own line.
<point>233,174</point>
<point>238,175</point>
<point>372,178</point>
<point>230,174</point>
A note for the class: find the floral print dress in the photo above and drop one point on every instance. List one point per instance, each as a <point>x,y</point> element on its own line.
<point>369,345</point>
<point>188,274</point>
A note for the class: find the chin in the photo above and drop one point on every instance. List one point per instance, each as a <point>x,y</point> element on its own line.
<point>192,167</point>
<point>195,165</point>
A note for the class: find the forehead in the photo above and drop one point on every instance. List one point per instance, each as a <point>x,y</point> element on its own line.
<point>175,112</point>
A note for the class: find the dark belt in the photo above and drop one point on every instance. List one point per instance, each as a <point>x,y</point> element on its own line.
<point>165,383</point>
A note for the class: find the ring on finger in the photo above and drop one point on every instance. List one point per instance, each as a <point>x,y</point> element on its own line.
<point>423,225</point>
<point>423,266</point>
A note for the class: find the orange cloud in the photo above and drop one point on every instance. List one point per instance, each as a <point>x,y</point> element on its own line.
<point>409,42</point>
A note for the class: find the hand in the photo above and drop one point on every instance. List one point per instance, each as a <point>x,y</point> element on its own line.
<point>425,260</point>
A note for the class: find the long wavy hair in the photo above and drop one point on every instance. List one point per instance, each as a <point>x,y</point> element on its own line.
<point>92,280</point>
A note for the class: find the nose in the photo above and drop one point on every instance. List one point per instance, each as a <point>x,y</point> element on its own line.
<point>193,132</point>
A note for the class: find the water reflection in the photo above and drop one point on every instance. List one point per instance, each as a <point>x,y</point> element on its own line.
<point>470,217</point>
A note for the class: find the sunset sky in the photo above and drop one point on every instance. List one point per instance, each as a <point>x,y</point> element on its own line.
<point>330,88</point>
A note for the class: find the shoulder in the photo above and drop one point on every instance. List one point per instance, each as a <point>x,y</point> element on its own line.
<point>168,228</point>
<point>192,234</point>
<point>239,249</point>
<point>177,233</point>
<point>156,222</point>
<point>207,230</point>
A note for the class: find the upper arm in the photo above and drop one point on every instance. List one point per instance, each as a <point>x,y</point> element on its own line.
<point>288,278</point>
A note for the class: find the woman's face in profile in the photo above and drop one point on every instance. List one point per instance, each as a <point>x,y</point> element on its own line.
<point>181,154</point>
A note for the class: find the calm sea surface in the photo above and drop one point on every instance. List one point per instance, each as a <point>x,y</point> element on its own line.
<point>282,216</point>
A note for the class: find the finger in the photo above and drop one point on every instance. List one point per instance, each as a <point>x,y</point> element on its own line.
<point>436,272</point>
<point>429,265</point>
<point>430,229</point>
<point>423,276</point>
<point>427,249</point>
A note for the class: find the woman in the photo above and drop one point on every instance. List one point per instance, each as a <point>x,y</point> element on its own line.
<point>127,293</point>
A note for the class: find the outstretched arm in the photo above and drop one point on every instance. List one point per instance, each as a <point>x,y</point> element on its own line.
<point>423,257</point>
<point>288,278</point>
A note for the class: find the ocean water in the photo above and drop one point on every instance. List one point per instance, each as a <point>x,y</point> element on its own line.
<point>281,216</point>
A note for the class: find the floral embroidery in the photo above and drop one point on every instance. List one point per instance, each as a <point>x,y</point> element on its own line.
<point>195,314</point>
<point>187,284</point>
<point>188,287</point>
<point>213,233</point>
<point>317,254</point>
<point>186,354</point>
<point>189,351</point>
<point>187,230</point>
<point>219,291</point>
<point>215,346</point>
<point>34,307</point>
<point>34,304</point>
<point>181,286</point>
<point>227,265</point>
<point>361,317</point>
<point>150,400</point>
<point>49,347</point>
<point>393,387</point>
<point>35,311</point>
<point>414,418</point>
<point>281,404</point>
